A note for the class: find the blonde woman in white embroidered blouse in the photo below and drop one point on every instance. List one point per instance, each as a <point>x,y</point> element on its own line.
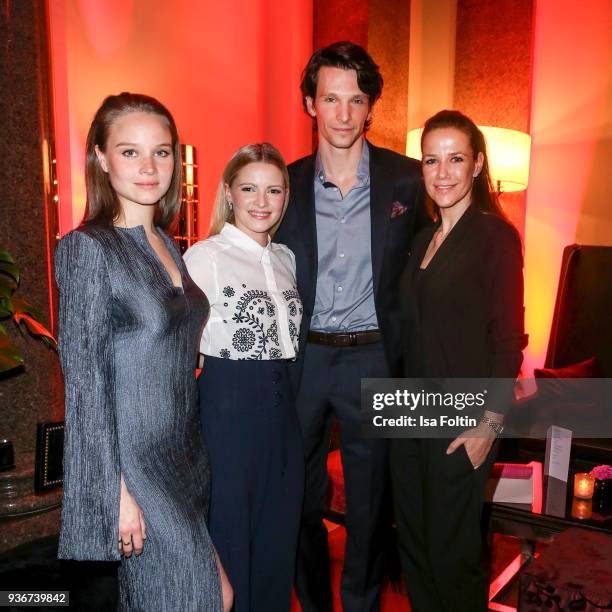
<point>246,402</point>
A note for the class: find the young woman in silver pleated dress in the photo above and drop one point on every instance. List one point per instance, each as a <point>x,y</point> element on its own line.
<point>136,473</point>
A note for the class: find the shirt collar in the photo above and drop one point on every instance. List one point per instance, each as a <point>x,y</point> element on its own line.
<point>239,239</point>
<point>363,169</point>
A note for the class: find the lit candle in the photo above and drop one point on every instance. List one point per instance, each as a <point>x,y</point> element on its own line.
<point>582,508</point>
<point>584,485</point>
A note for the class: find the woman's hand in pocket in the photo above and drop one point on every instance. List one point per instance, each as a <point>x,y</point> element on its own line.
<point>477,441</point>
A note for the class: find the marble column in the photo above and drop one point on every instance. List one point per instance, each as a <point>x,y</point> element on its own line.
<point>28,228</point>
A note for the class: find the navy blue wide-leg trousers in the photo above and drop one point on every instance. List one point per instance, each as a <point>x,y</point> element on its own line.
<point>257,465</point>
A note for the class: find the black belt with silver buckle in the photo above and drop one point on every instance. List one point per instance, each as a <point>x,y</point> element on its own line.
<point>345,338</point>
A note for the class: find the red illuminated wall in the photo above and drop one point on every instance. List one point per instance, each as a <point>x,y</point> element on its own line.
<point>340,20</point>
<point>228,71</point>
<point>493,62</point>
<point>568,199</point>
<point>493,72</point>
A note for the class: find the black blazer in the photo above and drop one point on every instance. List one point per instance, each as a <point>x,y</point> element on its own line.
<point>396,203</point>
<point>463,316</point>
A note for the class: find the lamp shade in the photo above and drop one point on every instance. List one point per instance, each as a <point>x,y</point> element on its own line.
<point>508,152</point>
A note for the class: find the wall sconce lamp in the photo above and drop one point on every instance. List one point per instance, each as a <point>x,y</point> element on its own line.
<point>508,152</point>
<point>188,216</point>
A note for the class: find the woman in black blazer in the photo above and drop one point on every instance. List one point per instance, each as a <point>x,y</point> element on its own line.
<point>462,307</point>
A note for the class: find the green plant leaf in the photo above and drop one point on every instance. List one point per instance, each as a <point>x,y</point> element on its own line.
<point>49,342</point>
<point>10,357</point>
<point>35,328</point>
<point>19,304</point>
<point>26,317</point>
<point>7,287</point>
<point>8,267</point>
<point>10,270</point>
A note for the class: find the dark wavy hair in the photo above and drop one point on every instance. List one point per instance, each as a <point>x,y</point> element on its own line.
<point>348,56</point>
<point>103,207</point>
<point>483,191</point>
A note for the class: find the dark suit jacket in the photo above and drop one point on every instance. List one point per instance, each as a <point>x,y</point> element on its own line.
<point>463,316</point>
<point>395,203</point>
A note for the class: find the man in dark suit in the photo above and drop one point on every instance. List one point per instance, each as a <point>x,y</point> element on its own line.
<point>349,222</point>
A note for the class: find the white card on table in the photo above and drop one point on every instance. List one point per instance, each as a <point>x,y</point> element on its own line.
<point>558,447</point>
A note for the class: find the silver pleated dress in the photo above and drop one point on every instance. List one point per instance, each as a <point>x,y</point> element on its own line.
<point>128,342</point>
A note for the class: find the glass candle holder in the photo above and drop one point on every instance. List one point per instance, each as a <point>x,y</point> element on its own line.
<point>582,509</point>
<point>584,485</point>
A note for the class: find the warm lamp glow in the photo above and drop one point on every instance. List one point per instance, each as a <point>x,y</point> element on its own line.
<point>413,143</point>
<point>508,152</point>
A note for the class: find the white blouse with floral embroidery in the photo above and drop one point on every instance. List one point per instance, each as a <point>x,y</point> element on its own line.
<point>255,309</point>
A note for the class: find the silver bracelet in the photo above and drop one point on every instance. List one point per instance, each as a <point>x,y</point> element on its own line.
<point>496,426</point>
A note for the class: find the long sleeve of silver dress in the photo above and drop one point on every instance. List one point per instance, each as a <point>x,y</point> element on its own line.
<point>128,343</point>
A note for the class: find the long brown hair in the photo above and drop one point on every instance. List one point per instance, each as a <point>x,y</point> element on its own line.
<point>483,191</point>
<point>251,153</point>
<point>103,207</point>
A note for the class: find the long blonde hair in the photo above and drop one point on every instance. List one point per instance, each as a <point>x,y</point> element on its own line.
<point>251,153</point>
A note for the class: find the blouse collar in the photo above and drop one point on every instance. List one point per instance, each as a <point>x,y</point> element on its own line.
<point>239,239</point>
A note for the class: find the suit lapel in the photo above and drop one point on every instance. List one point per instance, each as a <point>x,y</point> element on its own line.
<point>303,190</point>
<point>381,196</point>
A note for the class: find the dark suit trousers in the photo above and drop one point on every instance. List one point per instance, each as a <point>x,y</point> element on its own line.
<point>438,503</point>
<point>331,384</point>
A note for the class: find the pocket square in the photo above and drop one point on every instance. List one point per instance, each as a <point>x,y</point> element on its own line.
<point>398,209</point>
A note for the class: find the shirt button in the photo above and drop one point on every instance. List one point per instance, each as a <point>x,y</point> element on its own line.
<point>339,289</point>
<point>342,219</point>
<point>334,319</point>
<point>341,255</point>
